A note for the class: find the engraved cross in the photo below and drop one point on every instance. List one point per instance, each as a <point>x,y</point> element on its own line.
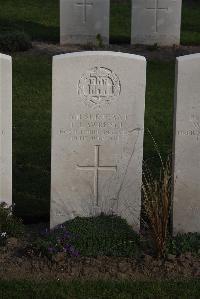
<point>96,168</point>
<point>157,8</point>
<point>84,4</point>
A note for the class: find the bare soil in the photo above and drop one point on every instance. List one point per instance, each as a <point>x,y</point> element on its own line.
<point>17,263</point>
<point>151,53</point>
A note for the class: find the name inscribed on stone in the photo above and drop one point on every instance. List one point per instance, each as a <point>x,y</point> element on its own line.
<point>90,127</point>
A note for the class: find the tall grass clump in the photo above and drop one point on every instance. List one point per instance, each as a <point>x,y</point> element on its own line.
<point>157,207</point>
<point>157,203</point>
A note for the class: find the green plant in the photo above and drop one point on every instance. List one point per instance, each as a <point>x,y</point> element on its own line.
<point>157,206</point>
<point>92,236</point>
<point>99,41</point>
<point>10,226</point>
<point>183,243</point>
<point>14,41</point>
<point>100,289</point>
<point>51,242</point>
<point>153,47</point>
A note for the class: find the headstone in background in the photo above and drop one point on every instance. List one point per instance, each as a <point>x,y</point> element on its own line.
<point>84,21</point>
<point>156,22</point>
<point>6,129</point>
<point>186,200</point>
<point>97,135</point>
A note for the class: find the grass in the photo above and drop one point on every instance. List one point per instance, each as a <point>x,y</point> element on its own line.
<point>40,19</point>
<point>191,23</point>
<point>159,111</point>
<point>99,290</point>
<point>32,128</point>
<point>31,135</point>
<point>184,243</point>
<point>120,22</point>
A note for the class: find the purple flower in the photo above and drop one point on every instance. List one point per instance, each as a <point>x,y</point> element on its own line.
<point>66,247</point>
<point>73,251</point>
<point>44,232</point>
<point>51,249</point>
<point>66,234</point>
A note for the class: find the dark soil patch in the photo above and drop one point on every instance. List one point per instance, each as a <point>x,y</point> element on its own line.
<point>16,262</point>
<point>151,53</point>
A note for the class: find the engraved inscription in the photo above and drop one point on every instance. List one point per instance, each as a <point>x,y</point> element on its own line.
<point>194,210</point>
<point>96,168</point>
<point>157,7</point>
<point>97,127</point>
<point>195,131</point>
<point>84,5</point>
<point>188,133</point>
<point>99,86</point>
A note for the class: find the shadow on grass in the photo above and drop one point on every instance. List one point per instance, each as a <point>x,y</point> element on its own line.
<point>35,30</point>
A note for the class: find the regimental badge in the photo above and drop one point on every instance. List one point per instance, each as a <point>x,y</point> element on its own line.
<point>99,86</point>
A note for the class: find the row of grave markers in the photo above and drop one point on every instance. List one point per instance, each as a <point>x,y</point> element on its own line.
<point>153,21</point>
<point>97,137</point>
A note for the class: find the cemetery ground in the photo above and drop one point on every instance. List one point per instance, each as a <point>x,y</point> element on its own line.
<point>107,248</point>
<point>103,290</point>
<point>104,248</point>
<point>40,20</point>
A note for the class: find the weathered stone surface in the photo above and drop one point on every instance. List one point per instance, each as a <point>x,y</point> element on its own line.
<point>5,129</point>
<point>81,21</point>
<point>156,22</point>
<point>97,135</point>
<point>187,146</point>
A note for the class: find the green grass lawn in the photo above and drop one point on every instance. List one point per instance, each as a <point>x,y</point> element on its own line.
<point>40,19</point>
<point>31,135</point>
<point>32,127</point>
<point>99,290</point>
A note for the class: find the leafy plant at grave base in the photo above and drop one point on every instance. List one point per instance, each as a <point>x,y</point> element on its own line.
<point>183,243</point>
<point>99,40</point>
<point>157,206</point>
<point>14,41</point>
<point>51,242</point>
<point>92,236</point>
<point>10,226</point>
<point>153,47</point>
<point>104,236</point>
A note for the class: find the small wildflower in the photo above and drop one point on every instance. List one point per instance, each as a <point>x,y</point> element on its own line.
<point>3,235</point>
<point>66,234</point>
<point>73,251</point>
<point>50,250</point>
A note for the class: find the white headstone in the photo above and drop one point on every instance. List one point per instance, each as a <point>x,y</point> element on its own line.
<point>97,135</point>
<point>156,22</point>
<point>5,129</point>
<point>84,21</point>
<point>187,146</point>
